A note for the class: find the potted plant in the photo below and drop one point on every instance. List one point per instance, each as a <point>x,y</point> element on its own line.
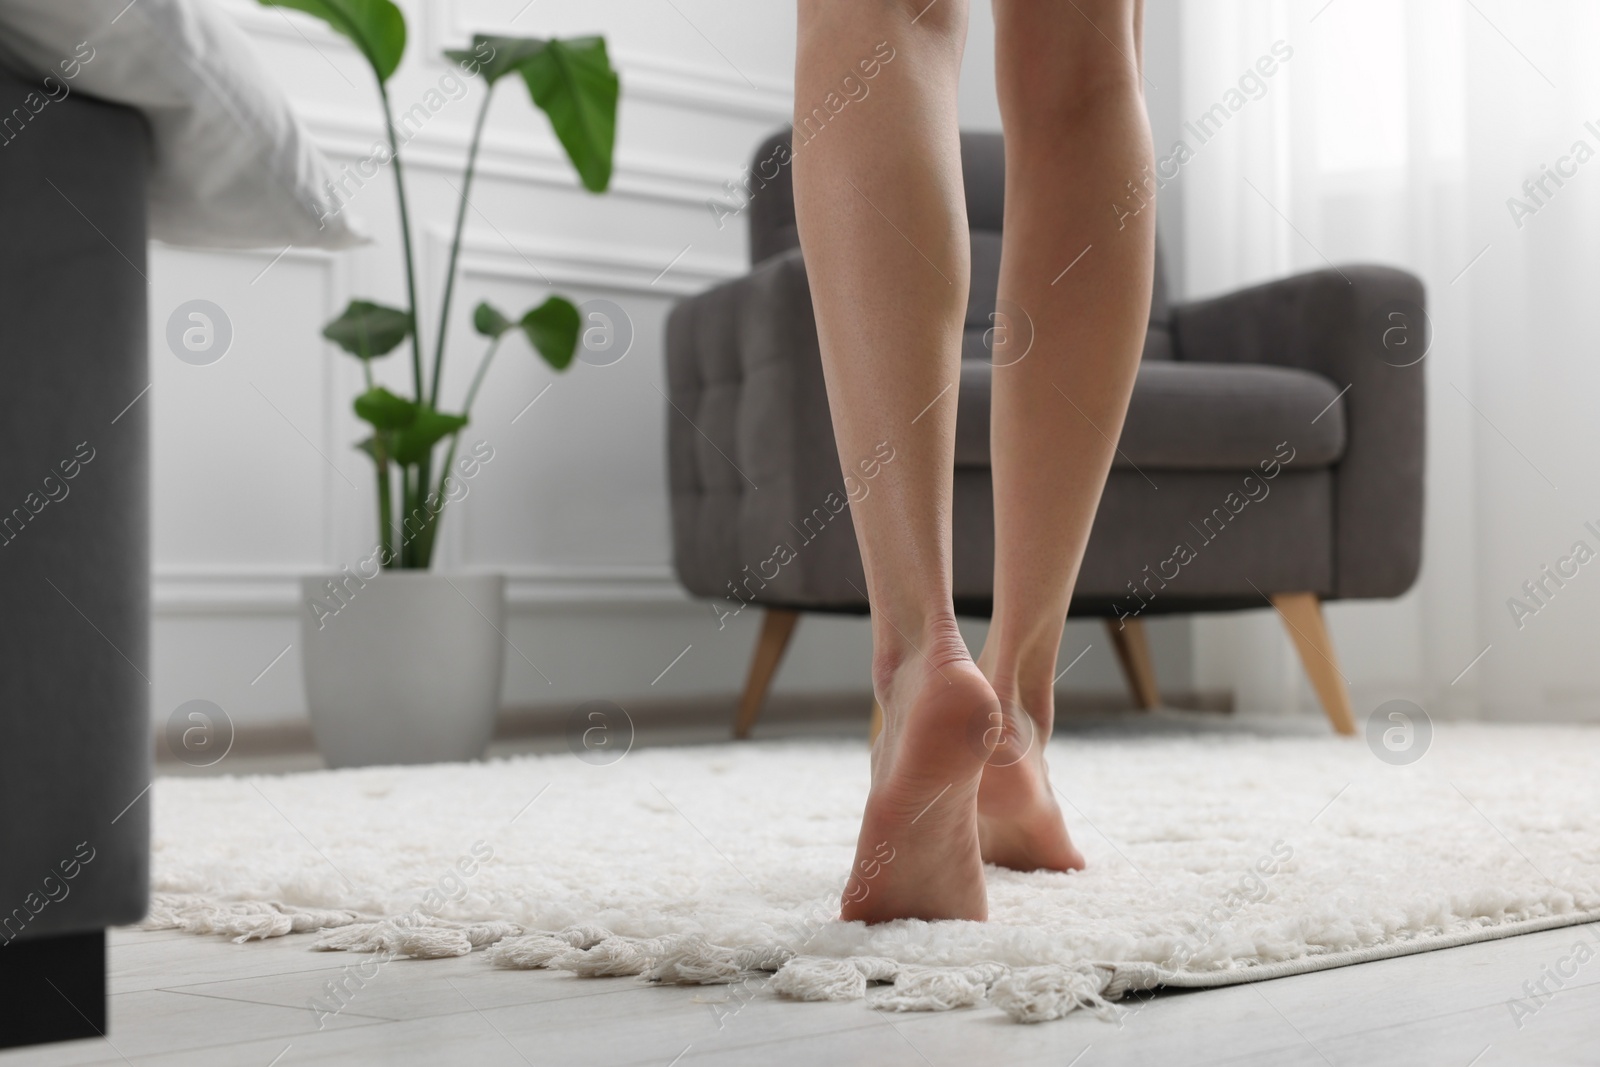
<point>402,663</point>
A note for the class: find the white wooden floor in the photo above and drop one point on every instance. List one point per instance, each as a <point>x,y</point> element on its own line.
<point>184,1000</point>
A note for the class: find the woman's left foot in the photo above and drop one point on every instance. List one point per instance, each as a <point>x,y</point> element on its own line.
<point>918,855</point>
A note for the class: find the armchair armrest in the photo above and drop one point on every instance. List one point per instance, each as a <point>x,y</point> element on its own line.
<point>759,503</point>
<point>1333,322</point>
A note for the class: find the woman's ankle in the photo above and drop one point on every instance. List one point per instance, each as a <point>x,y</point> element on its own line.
<point>1023,673</point>
<point>918,645</point>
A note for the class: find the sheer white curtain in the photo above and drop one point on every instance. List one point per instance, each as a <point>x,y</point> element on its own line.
<point>1459,139</point>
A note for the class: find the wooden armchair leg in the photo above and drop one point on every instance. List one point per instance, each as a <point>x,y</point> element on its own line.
<point>777,626</point>
<point>1133,652</point>
<point>1302,617</point>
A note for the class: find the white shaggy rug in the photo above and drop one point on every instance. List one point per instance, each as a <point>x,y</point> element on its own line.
<point>1213,859</point>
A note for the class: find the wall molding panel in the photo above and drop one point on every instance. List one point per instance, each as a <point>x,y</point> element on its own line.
<point>274,590</point>
<point>648,77</point>
<point>347,137</point>
<point>717,90</point>
<point>636,269</point>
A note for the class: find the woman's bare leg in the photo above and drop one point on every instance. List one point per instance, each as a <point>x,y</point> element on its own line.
<point>878,198</point>
<point>1076,133</point>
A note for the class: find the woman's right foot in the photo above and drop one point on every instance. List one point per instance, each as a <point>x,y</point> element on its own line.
<point>1020,824</point>
<point>919,856</point>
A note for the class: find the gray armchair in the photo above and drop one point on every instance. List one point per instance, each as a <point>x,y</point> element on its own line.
<point>1273,452</point>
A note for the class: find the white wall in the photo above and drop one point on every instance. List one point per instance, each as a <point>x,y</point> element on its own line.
<point>256,482</point>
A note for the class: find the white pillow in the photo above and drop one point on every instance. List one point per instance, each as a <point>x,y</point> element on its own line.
<point>232,167</point>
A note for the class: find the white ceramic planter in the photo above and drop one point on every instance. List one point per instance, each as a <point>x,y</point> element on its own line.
<point>404,667</point>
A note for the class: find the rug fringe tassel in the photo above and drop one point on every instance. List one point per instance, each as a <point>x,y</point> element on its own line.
<point>1026,994</point>
<point>692,960</point>
<point>613,957</point>
<point>242,920</point>
<point>529,952</point>
<point>828,978</point>
<point>938,988</point>
<point>1039,994</point>
<point>416,936</point>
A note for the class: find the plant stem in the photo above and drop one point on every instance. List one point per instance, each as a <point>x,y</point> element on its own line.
<point>444,478</point>
<point>455,242</point>
<point>426,533</point>
<point>426,537</point>
<point>385,512</point>
<point>405,235</point>
<point>477,378</point>
<point>432,516</point>
<point>407,552</point>
<point>408,489</point>
<point>420,556</point>
<point>466,409</point>
<point>449,461</point>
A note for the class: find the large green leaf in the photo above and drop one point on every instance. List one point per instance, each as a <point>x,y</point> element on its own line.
<point>495,57</point>
<point>488,320</point>
<point>414,443</point>
<point>573,82</point>
<point>376,27</point>
<point>366,329</point>
<point>376,446</point>
<point>552,328</point>
<point>384,410</point>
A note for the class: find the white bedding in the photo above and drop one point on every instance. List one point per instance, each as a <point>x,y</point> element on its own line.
<point>232,167</point>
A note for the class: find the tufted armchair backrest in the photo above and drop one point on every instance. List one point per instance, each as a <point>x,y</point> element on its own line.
<point>769,204</point>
